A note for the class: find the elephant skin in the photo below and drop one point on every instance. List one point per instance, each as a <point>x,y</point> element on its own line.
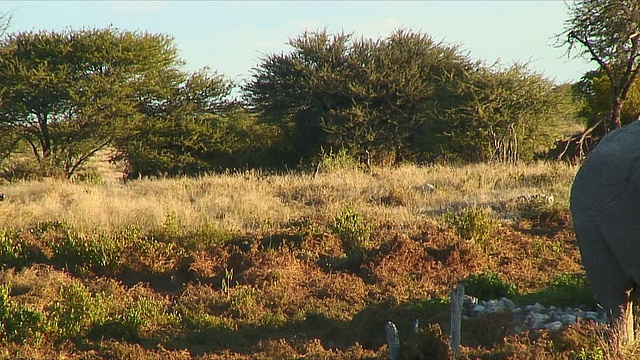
<point>605,206</point>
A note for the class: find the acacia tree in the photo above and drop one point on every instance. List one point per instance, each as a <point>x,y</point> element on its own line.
<point>64,93</point>
<point>335,92</point>
<point>607,32</point>
<point>295,91</point>
<point>508,114</point>
<point>182,127</point>
<point>402,97</point>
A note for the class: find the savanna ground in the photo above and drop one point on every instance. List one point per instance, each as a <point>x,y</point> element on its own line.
<point>287,266</point>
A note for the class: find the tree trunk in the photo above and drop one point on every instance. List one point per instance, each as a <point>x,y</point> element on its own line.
<point>615,114</point>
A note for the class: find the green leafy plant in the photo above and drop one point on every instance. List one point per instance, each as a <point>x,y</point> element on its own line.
<point>19,324</point>
<point>566,289</point>
<point>594,354</point>
<point>76,310</point>
<point>226,282</point>
<point>132,321</point>
<point>89,177</point>
<point>473,224</point>
<point>96,252</point>
<point>336,161</point>
<point>352,231</point>
<point>535,207</point>
<point>305,226</point>
<point>207,237</point>
<point>11,249</point>
<point>18,250</point>
<point>171,226</point>
<point>489,285</point>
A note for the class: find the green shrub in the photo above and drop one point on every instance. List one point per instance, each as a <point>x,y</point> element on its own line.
<point>89,177</point>
<point>138,317</point>
<point>206,238</point>
<point>18,250</point>
<point>21,171</point>
<point>489,285</point>
<point>19,324</point>
<point>76,310</point>
<point>140,314</point>
<point>340,160</point>
<point>535,207</point>
<point>158,256</point>
<point>597,353</point>
<point>473,224</point>
<point>566,289</point>
<point>50,228</point>
<point>12,252</point>
<point>352,231</point>
<point>97,252</point>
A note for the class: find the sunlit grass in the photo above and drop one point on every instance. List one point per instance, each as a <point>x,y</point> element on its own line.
<point>157,268</point>
<point>252,201</point>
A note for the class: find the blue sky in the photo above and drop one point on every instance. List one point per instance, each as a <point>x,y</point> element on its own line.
<point>231,36</point>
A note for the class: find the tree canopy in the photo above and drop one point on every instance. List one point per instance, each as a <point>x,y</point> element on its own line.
<point>607,32</point>
<point>63,93</point>
<point>180,128</point>
<point>403,97</point>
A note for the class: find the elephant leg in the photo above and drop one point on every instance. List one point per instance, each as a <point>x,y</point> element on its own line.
<point>608,280</point>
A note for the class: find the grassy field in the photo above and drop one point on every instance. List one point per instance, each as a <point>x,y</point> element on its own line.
<point>287,266</point>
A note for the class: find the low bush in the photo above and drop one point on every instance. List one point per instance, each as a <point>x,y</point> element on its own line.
<point>352,232</point>
<point>472,224</point>
<point>489,285</point>
<point>18,323</point>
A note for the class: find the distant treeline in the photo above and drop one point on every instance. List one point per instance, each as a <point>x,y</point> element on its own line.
<point>66,95</point>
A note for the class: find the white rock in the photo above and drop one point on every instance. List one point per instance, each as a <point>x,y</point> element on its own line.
<point>568,319</point>
<point>538,317</point>
<point>538,307</point>
<point>535,307</point>
<point>537,320</point>
<point>479,309</point>
<point>591,315</point>
<point>537,325</point>
<point>556,325</point>
<point>507,304</point>
<point>496,309</point>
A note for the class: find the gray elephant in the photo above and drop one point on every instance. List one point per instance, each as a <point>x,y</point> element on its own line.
<point>605,205</point>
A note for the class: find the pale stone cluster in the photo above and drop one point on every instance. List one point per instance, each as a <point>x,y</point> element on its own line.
<point>532,317</point>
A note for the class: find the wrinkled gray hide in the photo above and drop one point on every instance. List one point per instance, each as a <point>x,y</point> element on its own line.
<point>605,205</point>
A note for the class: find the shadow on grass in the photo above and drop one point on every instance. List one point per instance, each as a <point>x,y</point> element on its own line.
<point>365,328</point>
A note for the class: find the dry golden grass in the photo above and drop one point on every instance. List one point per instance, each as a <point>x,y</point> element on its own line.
<point>283,284</point>
<point>250,202</point>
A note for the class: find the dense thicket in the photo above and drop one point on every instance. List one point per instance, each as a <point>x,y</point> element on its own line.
<point>404,97</point>
<point>69,94</point>
<point>177,131</point>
